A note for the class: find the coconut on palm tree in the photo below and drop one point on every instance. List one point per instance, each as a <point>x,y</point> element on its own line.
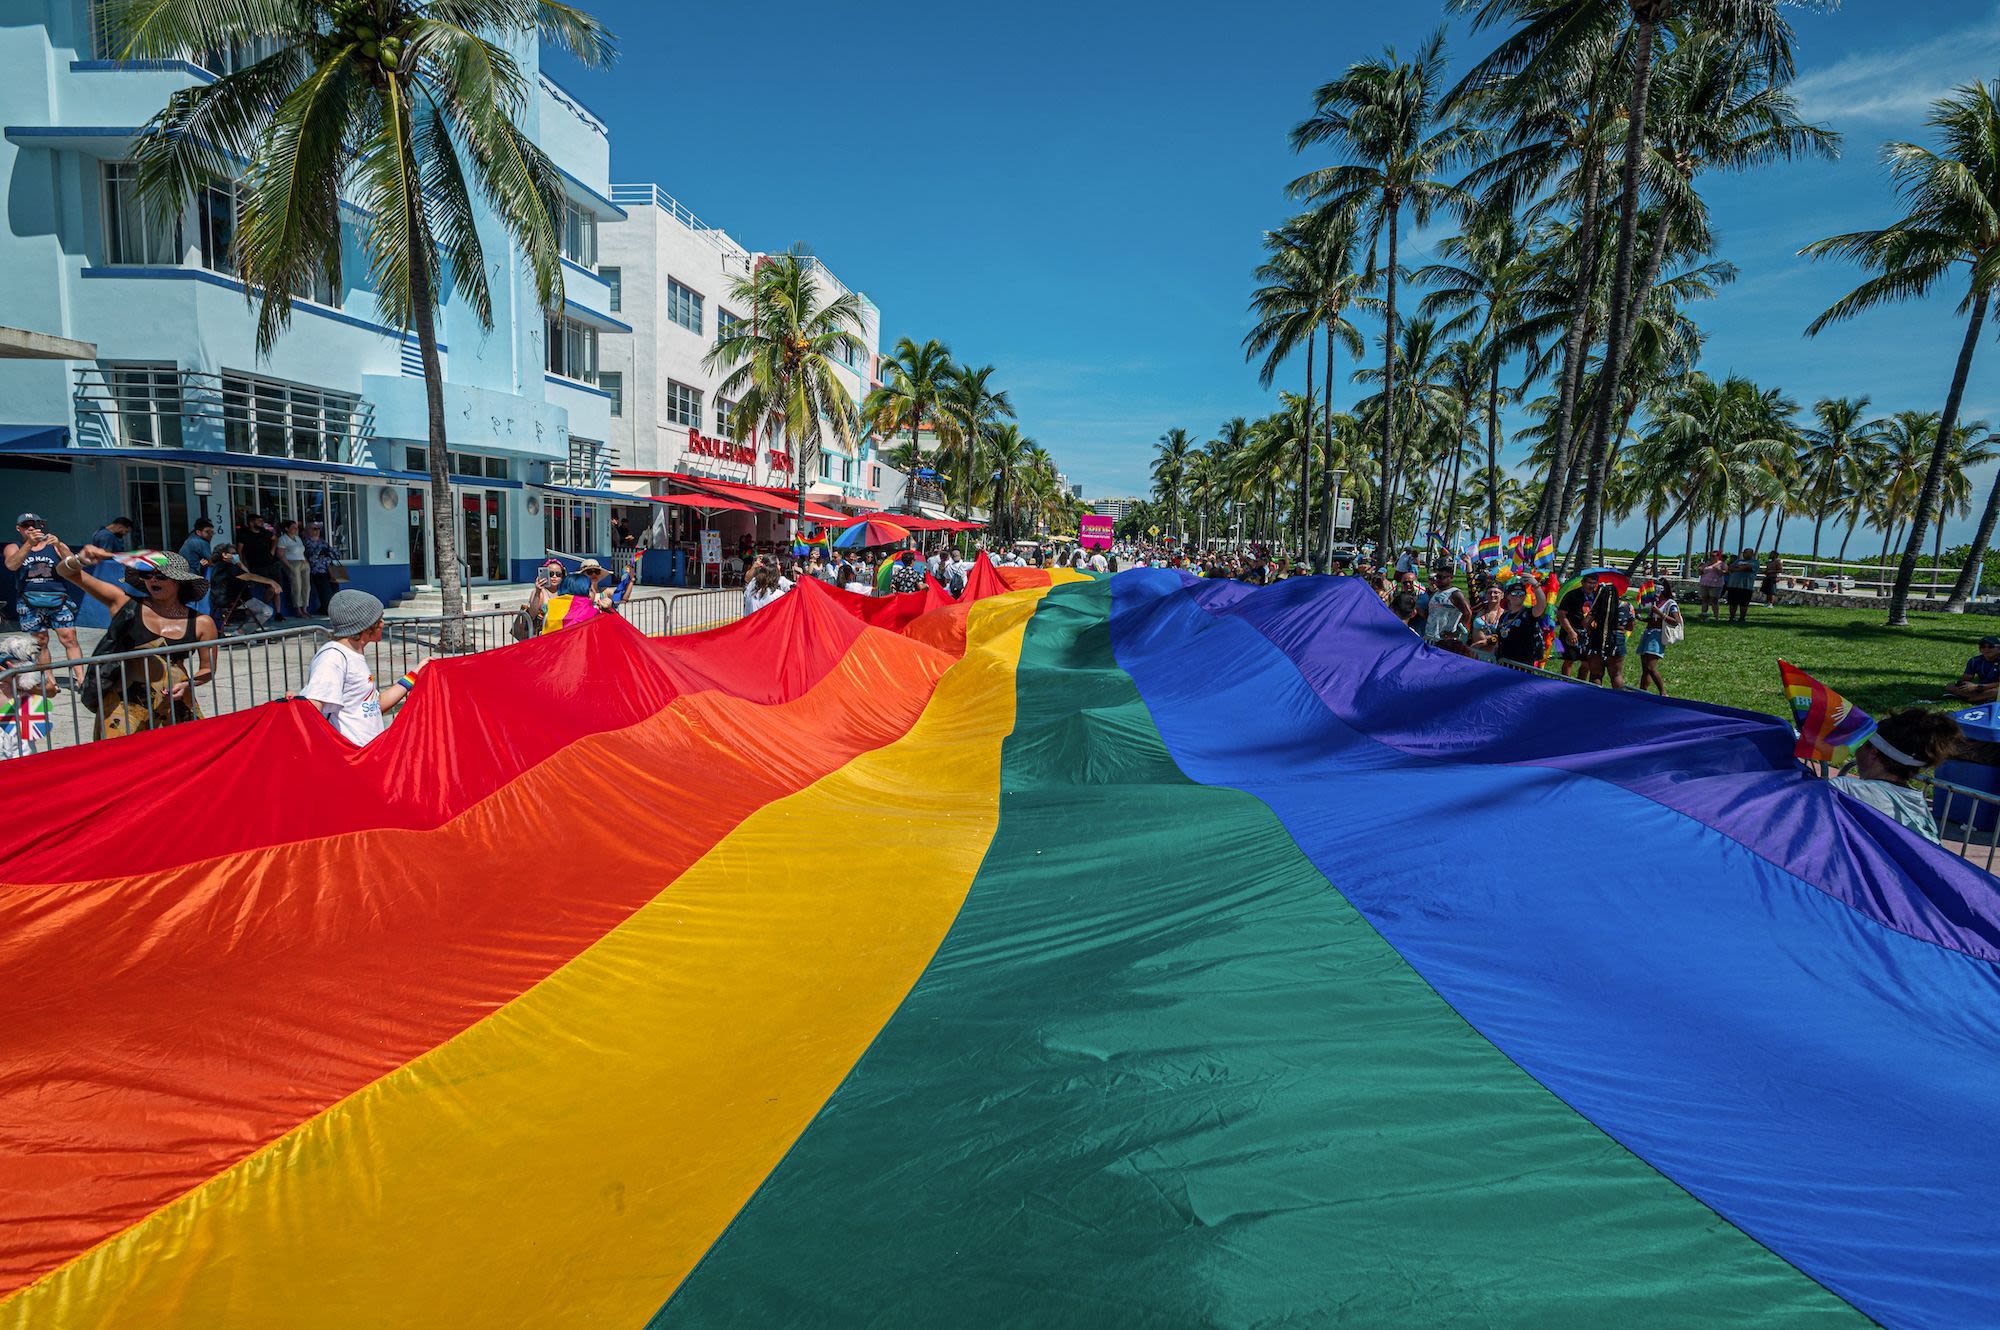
<point>403,109</point>
<point>780,360</point>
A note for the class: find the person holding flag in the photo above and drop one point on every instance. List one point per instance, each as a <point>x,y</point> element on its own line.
<point>1888,754</point>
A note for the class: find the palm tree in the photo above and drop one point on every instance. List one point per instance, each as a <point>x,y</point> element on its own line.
<point>968,411</point>
<point>1713,444</point>
<point>1972,445</point>
<point>1483,282</point>
<point>913,379</point>
<point>1387,116</point>
<point>1839,453</point>
<point>1309,283</point>
<point>1558,31</point>
<point>1953,219</point>
<point>1170,460</point>
<point>780,360</point>
<point>1906,437</point>
<point>401,108</point>
<point>1005,458</point>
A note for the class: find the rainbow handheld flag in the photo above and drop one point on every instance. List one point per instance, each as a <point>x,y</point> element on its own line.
<point>1545,554</point>
<point>1489,549</point>
<point>1828,724</point>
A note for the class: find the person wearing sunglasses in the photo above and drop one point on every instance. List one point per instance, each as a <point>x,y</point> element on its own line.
<point>153,608</point>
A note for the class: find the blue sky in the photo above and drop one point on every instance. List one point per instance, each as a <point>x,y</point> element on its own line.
<point>1076,194</point>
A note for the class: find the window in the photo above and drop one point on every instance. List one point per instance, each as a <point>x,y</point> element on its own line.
<point>156,500</point>
<point>217,209</point>
<point>579,235</point>
<point>132,232</point>
<point>277,419</point>
<point>613,383</point>
<point>826,466</point>
<point>847,470</point>
<point>144,403</point>
<point>615,279</point>
<point>726,323</point>
<point>569,525</point>
<point>725,419</point>
<point>683,404</point>
<point>874,477</point>
<point>588,466</point>
<point>457,464</point>
<point>334,504</point>
<point>848,353</point>
<point>572,349</point>
<point>684,306</point>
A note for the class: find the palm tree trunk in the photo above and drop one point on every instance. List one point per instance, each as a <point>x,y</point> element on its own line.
<point>1763,525</point>
<point>1927,498</point>
<point>1576,349</point>
<point>1394,205</point>
<point>1687,568</point>
<point>1493,449</point>
<point>1975,560</point>
<point>1852,523</point>
<point>1613,370</point>
<point>1322,558</point>
<point>1655,537</point>
<point>1306,452</point>
<point>443,512</point>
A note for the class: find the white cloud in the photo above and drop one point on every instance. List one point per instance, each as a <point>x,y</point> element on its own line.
<point>1899,84</point>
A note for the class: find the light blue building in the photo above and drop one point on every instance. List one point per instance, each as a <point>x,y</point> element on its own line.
<point>178,415</point>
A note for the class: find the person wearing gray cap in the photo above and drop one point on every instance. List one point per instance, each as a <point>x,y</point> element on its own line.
<point>339,680</point>
<point>43,605</point>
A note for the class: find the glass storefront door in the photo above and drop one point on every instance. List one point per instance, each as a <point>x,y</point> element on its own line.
<point>482,535</point>
<point>420,537</point>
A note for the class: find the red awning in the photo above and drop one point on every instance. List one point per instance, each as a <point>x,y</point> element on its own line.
<point>708,503</point>
<point>763,497</point>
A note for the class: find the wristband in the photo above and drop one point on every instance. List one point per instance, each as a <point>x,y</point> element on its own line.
<point>407,682</point>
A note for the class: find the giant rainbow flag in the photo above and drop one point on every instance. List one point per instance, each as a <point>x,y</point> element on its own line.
<point>1124,952</point>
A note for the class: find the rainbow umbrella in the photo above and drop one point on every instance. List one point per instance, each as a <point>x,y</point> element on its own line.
<point>870,531</point>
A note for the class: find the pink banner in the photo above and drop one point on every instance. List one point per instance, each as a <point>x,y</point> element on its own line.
<point>1096,533</point>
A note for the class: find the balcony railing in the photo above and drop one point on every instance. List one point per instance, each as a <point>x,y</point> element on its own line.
<point>652,196</point>
<point>160,407</point>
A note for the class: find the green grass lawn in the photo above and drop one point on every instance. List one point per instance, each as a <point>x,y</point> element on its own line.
<point>1877,668</point>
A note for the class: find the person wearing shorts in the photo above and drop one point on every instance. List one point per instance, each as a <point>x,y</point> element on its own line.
<point>44,604</point>
<point>1714,572</point>
<point>1739,585</point>
<point>1662,612</point>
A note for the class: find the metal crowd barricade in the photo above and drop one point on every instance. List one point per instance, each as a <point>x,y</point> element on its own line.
<point>701,610</point>
<point>158,687</point>
<point>138,688</point>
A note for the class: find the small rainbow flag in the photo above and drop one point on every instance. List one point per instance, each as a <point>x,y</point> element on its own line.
<point>1545,554</point>
<point>567,612</point>
<point>1489,549</point>
<point>1828,724</point>
<point>1644,589</point>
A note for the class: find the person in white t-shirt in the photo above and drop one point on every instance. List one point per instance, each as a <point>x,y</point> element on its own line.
<point>339,680</point>
<point>1098,563</point>
<point>764,585</point>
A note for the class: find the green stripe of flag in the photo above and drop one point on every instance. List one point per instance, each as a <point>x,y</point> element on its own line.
<point>1161,1073</point>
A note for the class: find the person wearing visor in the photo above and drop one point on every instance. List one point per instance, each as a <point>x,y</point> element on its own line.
<point>1904,745</point>
<point>154,607</point>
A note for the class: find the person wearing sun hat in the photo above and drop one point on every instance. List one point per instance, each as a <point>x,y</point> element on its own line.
<point>339,681</point>
<point>154,607</point>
